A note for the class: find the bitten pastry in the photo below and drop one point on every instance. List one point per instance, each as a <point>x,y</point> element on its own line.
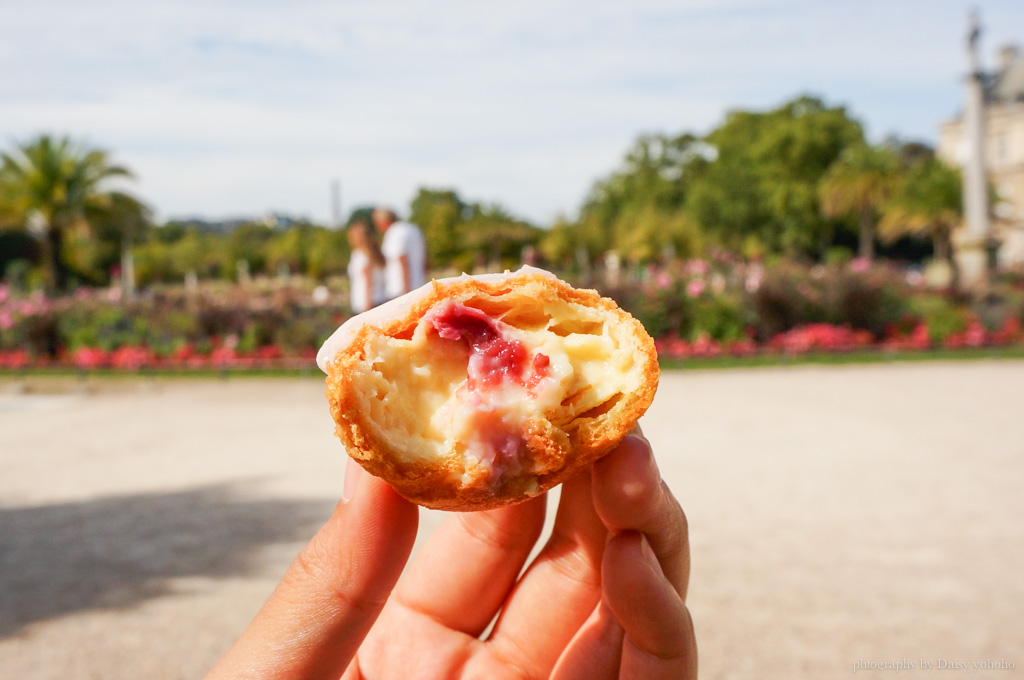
<point>480,391</point>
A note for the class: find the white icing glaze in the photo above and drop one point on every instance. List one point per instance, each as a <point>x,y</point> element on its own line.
<point>399,307</point>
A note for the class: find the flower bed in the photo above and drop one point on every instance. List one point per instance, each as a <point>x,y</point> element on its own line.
<point>221,327</point>
<point>701,309</point>
<point>826,338</point>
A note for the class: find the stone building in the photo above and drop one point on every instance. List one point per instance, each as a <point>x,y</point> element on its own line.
<point>1003,150</point>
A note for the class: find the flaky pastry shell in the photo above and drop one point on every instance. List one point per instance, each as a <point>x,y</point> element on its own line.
<point>476,392</point>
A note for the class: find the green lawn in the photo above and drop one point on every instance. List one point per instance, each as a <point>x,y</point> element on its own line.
<point>722,362</point>
<point>835,358</point>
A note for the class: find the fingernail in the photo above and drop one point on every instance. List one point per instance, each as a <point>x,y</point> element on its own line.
<point>352,474</point>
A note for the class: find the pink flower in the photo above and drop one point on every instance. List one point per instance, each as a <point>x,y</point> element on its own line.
<point>973,336</point>
<point>673,348</point>
<point>89,357</point>
<point>695,288</point>
<point>860,264</point>
<point>704,346</point>
<point>915,278</point>
<point>820,336</point>
<point>663,280</point>
<point>131,357</point>
<point>5,294</point>
<point>697,267</point>
<point>741,348</point>
<point>753,280</point>
<point>6,320</point>
<point>224,356</point>
<point>917,340</point>
<point>268,353</point>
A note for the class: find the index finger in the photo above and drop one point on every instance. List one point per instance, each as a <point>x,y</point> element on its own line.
<point>630,495</point>
<point>315,620</point>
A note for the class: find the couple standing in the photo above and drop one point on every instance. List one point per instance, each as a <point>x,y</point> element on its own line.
<point>378,273</point>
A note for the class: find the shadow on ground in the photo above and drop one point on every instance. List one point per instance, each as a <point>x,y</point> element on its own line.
<point>117,552</point>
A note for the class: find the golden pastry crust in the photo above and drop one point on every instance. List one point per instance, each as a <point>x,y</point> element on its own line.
<point>397,391</point>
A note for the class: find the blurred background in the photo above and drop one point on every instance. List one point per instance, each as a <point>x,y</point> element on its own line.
<point>762,183</point>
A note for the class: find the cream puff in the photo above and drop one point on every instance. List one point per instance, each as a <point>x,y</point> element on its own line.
<point>480,391</point>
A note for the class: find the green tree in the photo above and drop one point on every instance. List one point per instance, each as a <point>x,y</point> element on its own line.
<point>860,183</point>
<point>558,243</point>
<point>761,184</point>
<point>650,183</point>
<point>54,185</point>
<point>749,185</point>
<point>439,212</point>
<point>490,234</point>
<point>929,202</point>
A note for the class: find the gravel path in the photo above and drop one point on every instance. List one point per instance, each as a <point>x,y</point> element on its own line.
<point>838,516</point>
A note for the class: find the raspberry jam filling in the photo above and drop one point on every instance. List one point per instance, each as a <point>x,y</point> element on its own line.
<point>494,357</point>
<point>497,363</point>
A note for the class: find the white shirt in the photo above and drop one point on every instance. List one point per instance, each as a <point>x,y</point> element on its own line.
<point>363,299</point>
<point>403,238</point>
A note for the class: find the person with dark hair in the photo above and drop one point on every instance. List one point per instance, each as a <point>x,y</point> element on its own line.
<point>404,249</point>
<point>365,268</point>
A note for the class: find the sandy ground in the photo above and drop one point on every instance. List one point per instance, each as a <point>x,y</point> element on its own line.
<point>838,515</point>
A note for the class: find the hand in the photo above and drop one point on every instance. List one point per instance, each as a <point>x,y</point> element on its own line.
<point>605,598</point>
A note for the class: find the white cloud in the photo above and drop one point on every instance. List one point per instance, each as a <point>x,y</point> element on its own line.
<point>239,107</point>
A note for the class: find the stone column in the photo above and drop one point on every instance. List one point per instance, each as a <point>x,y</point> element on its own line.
<point>975,245</point>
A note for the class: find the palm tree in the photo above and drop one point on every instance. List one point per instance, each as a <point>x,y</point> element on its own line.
<point>53,185</point>
<point>860,182</point>
<point>929,203</point>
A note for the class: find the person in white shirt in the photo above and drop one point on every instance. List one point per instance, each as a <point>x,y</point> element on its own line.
<point>365,268</point>
<point>405,250</point>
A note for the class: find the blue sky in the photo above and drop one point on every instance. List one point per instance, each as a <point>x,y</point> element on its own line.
<point>238,108</point>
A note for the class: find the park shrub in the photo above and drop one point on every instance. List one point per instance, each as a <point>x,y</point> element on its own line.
<point>694,308</point>
<point>719,317</point>
<point>662,306</point>
<point>939,316</point>
<point>870,300</point>
<point>789,296</point>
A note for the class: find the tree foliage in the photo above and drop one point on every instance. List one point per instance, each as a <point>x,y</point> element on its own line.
<point>750,185</point>
<point>928,203</point>
<point>54,186</point>
<point>462,236</point>
<point>860,183</point>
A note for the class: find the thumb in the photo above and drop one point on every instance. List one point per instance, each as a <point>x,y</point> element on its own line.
<point>332,593</point>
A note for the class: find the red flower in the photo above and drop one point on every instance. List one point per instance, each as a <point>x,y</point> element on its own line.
<point>131,357</point>
<point>182,354</point>
<point>17,358</point>
<point>90,358</point>
<point>1008,333</point>
<point>820,336</point>
<point>704,346</point>
<point>673,348</point>
<point>741,348</point>
<point>973,336</point>
<point>268,353</point>
<point>224,357</point>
